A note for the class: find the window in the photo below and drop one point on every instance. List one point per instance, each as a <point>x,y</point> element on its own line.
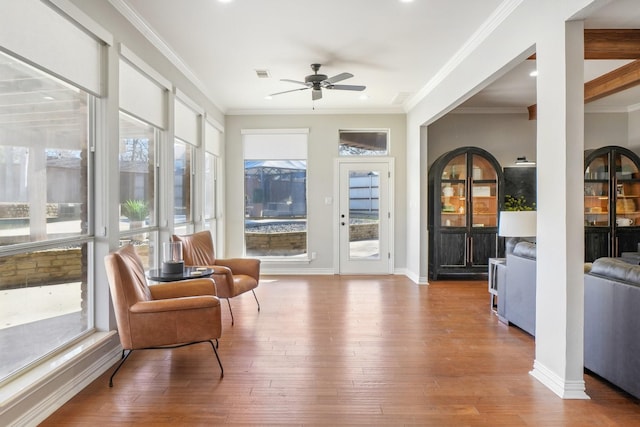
<point>275,177</point>
<point>138,208</point>
<point>183,153</point>
<point>45,229</point>
<point>210,184</point>
<point>363,143</point>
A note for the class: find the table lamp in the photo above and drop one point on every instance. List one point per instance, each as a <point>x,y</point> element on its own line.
<point>515,225</point>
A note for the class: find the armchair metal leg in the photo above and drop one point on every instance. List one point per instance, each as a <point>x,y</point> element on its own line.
<point>219,363</point>
<point>256,297</point>
<point>124,358</point>
<point>230,311</point>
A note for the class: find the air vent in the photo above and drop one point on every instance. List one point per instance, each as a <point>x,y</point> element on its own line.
<point>262,74</point>
<point>400,98</point>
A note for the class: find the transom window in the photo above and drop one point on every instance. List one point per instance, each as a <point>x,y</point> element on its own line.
<point>363,143</point>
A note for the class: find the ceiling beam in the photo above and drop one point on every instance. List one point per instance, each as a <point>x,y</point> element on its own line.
<point>615,81</point>
<point>610,44</point>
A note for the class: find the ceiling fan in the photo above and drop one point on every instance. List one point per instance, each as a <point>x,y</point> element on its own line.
<point>316,82</point>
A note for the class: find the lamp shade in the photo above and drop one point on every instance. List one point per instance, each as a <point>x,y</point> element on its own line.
<point>517,224</point>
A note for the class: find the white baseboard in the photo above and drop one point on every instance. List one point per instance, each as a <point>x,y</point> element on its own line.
<point>561,387</point>
<point>31,398</point>
<point>295,271</point>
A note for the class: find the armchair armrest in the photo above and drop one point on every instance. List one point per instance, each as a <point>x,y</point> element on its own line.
<point>247,266</point>
<point>183,288</point>
<point>175,304</point>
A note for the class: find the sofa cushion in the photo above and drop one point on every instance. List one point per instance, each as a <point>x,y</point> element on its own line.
<point>525,249</point>
<point>617,269</point>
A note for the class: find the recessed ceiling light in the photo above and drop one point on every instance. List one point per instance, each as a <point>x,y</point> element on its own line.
<point>225,1</point>
<point>364,97</point>
<point>268,97</point>
<point>48,98</point>
<point>534,73</point>
<point>406,1</point>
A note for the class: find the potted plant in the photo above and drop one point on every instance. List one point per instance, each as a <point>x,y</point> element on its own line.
<point>136,211</point>
<point>517,204</point>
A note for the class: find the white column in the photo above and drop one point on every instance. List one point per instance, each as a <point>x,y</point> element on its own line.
<point>560,256</point>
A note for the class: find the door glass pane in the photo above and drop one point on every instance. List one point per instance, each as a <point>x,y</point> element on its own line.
<point>625,168</point>
<point>453,204</point>
<point>456,169</point>
<point>596,192</point>
<point>485,204</point>
<point>482,170</point>
<point>453,193</point>
<point>627,191</point>
<point>364,215</point>
<point>484,190</point>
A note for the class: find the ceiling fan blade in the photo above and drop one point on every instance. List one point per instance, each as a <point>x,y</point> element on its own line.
<point>294,81</point>
<point>339,77</point>
<point>316,94</point>
<point>346,87</point>
<point>287,91</point>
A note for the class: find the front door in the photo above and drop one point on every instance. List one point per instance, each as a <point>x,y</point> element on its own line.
<point>364,217</point>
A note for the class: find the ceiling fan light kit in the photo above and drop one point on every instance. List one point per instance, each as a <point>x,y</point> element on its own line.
<point>316,82</point>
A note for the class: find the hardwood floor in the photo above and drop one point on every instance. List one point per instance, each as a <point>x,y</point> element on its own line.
<point>348,350</point>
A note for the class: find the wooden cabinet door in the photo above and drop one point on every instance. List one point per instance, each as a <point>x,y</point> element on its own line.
<point>452,249</point>
<point>483,245</point>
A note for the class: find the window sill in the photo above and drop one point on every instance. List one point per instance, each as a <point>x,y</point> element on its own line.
<point>59,377</point>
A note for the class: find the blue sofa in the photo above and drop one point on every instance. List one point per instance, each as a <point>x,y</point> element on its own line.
<point>612,322</point>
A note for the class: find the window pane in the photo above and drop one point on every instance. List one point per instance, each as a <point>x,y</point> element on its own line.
<point>275,207</point>
<point>43,156</point>
<point>137,173</point>
<point>45,293</point>
<point>44,304</point>
<point>363,143</point>
<point>182,182</point>
<point>209,186</point>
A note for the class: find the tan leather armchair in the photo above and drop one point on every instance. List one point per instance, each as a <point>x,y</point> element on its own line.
<point>166,315</point>
<point>233,276</point>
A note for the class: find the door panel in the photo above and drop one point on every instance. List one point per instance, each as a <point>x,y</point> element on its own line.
<point>453,249</point>
<point>364,218</point>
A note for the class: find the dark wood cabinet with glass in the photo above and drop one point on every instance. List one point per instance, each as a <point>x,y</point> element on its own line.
<point>611,202</point>
<point>465,187</point>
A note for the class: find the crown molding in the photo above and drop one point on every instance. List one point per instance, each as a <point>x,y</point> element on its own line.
<point>150,34</point>
<point>329,111</point>
<point>480,35</point>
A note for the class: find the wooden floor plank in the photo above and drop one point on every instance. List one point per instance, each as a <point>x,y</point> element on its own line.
<point>348,350</point>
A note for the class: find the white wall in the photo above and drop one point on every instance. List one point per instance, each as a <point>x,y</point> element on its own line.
<point>508,136</point>
<point>602,129</point>
<point>322,152</point>
<point>505,136</point>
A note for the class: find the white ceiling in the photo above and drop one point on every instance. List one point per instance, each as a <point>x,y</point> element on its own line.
<point>393,48</point>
